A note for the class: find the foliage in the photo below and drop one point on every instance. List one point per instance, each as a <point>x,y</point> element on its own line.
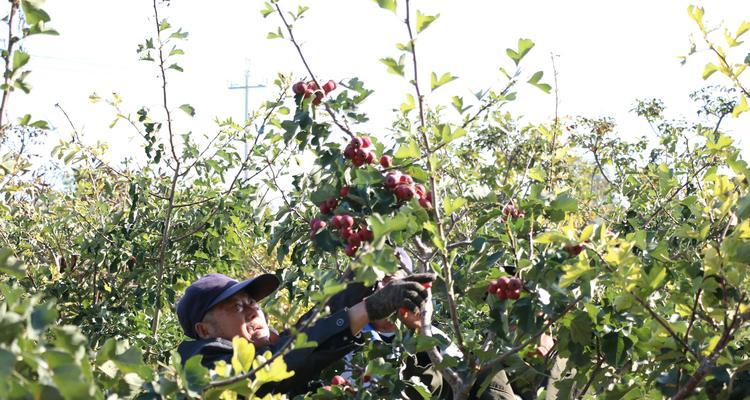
<point>653,304</point>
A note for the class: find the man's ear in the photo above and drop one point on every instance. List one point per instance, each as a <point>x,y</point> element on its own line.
<point>204,330</point>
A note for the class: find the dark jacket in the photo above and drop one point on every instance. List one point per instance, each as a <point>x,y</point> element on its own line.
<point>332,334</point>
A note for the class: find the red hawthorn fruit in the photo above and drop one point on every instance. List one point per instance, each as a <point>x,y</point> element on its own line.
<point>312,86</point>
<point>339,380</point>
<point>501,294</point>
<point>344,191</point>
<point>346,233</point>
<point>332,203</point>
<point>366,235</point>
<point>366,142</point>
<point>513,294</point>
<point>356,142</point>
<point>391,180</point>
<point>317,224</point>
<point>573,249</point>
<point>350,250</point>
<point>492,287</point>
<point>347,221</point>
<point>309,92</point>
<point>420,190</point>
<point>404,192</point>
<point>514,284</point>
<point>385,161</point>
<point>428,195</point>
<point>350,152</point>
<point>299,88</point>
<point>509,209</point>
<point>329,86</point>
<point>336,221</point>
<point>359,159</point>
<point>406,179</point>
<point>318,98</point>
<point>502,283</point>
<point>354,240</point>
<point>324,209</point>
<point>426,204</point>
<point>370,158</point>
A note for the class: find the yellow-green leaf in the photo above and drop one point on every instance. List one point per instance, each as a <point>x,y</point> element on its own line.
<point>387,4</point>
<point>436,82</point>
<point>423,21</point>
<point>408,150</point>
<point>274,372</point>
<point>709,70</point>
<point>744,27</point>
<point>740,107</point>
<point>244,353</point>
<point>451,205</point>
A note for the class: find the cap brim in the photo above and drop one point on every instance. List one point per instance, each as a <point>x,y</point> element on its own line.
<point>258,288</point>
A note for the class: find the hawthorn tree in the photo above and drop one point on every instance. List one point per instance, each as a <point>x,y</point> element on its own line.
<point>628,255</point>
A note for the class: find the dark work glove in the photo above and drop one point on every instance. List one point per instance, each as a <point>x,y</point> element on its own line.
<point>408,293</point>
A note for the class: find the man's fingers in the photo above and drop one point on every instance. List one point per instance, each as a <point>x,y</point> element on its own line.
<point>420,278</point>
<point>416,297</point>
<point>409,305</point>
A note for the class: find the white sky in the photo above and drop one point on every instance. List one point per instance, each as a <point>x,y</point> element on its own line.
<point>610,53</point>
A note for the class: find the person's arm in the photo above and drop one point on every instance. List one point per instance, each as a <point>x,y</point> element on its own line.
<point>358,318</point>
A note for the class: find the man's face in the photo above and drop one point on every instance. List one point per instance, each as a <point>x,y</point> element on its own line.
<point>239,315</point>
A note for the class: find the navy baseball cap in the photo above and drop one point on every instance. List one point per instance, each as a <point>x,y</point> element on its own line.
<point>212,289</point>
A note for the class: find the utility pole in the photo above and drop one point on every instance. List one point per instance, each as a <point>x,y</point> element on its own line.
<point>246,87</point>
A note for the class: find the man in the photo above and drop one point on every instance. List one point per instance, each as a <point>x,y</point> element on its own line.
<point>216,308</point>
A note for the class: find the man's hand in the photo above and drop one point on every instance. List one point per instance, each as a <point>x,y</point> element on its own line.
<point>408,293</point>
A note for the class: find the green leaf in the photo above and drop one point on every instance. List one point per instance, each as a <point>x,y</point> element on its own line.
<point>188,109</point>
<point>243,355</point>
<point>20,59</point>
<point>383,225</point>
<point>387,4</point>
<point>534,80</point>
<point>451,205</point>
<point>10,265</point>
<point>423,21</point>
<point>581,328</point>
<point>176,68</point>
<point>696,13</point>
<point>268,10</point>
<point>195,376</point>
<point>408,105</point>
<point>744,27</point>
<point>179,34</point>
<point>275,35</point>
<point>410,149</point>
<point>537,174</point>
<point>740,107</point>
<point>615,348</point>
<point>709,70</point>
<point>445,78</point>
<point>565,202</point>
<point>394,67</point>
<point>42,317</point>
<point>33,13</point>
<point>524,46</point>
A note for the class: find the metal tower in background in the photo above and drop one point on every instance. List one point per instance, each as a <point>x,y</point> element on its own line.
<point>246,87</point>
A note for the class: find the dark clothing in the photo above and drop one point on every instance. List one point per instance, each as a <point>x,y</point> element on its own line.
<point>332,334</point>
<point>419,364</point>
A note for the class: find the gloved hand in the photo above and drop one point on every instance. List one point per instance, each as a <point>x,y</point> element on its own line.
<point>408,293</point>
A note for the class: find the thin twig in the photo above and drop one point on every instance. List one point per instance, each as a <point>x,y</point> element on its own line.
<point>8,54</point>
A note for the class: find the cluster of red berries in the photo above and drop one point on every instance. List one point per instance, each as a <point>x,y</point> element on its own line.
<point>506,288</point>
<point>328,206</point>
<point>307,89</point>
<point>510,210</point>
<point>344,224</point>
<point>359,151</point>
<point>403,186</point>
